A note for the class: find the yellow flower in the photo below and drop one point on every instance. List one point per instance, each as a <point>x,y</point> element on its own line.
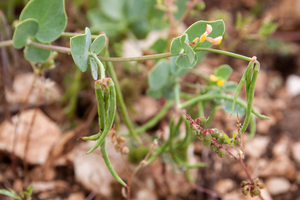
<point>213,78</point>
<point>220,82</point>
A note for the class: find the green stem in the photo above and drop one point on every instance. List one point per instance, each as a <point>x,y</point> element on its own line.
<point>108,164</point>
<point>219,96</point>
<point>111,71</point>
<point>69,34</point>
<point>177,94</point>
<point>200,109</point>
<point>252,128</point>
<point>139,58</point>
<point>102,69</point>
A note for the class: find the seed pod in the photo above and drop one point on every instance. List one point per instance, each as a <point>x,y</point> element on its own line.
<point>125,150</point>
<point>207,139</point>
<point>243,183</point>
<point>221,152</point>
<point>215,133</point>
<point>121,139</point>
<point>261,185</point>
<point>214,148</point>
<point>255,181</point>
<point>245,190</point>
<point>255,191</point>
<point>221,139</point>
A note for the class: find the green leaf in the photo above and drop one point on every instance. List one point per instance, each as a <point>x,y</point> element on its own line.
<point>233,140</point>
<point>226,138</point>
<point>176,46</point>
<point>98,44</point>
<point>94,68</point>
<point>24,29</point>
<point>80,46</point>
<point>160,45</point>
<point>113,9</point>
<point>50,15</point>
<point>237,108</point>
<point>36,54</point>
<point>29,190</point>
<point>140,28</point>
<point>224,72</point>
<point>158,76</point>
<point>184,62</point>
<point>230,86</point>
<point>267,28</point>
<point>198,28</point>
<point>10,193</point>
<point>154,93</point>
<point>189,52</point>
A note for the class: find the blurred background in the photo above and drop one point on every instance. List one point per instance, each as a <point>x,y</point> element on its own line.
<point>63,106</point>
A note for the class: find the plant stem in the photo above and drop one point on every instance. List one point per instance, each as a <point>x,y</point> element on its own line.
<point>219,96</point>
<point>111,71</point>
<point>69,34</point>
<point>128,59</point>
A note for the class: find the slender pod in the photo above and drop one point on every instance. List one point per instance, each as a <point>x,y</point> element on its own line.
<point>110,117</point>
<point>251,96</point>
<point>108,164</point>
<point>248,80</point>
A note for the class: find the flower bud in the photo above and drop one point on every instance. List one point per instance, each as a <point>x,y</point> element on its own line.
<point>213,148</point>
<point>207,139</point>
<point>203,121</point>
<point>255,191</point>
<point>208,29</point>
<point>215,41</point>
<point>215,133</point>
<point>245,190</point>
<point>221,152</point>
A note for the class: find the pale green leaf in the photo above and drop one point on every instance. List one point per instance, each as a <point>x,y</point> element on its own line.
<point>98,44</point>
<point>227,138</point>
<point>24,29</point>
<point>159,75</point>
<point>224,72</point>
<point>94,68</point>
<point>36,54</point>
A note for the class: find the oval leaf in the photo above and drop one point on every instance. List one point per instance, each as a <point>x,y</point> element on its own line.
<point>94,68</point>
<point>158,76</point>
<point>24,29</point>
<point>227,138</point>
<point>237,108</point>
<point>230,86</point>
<point>80,46</point>
<point>36,54</point>
<point>50,15</point>
<point>198,28</point>
<point>184,62</point>
<point>98,44</point>
<point>224,72</point>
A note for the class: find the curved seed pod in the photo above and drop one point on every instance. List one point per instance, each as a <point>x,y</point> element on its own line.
<point>108,164</point>
<point>110,118</point>
<point>251,96</point>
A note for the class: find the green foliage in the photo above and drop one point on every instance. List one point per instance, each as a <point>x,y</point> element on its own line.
<point>84,52</point>
<point>267,28</point>
<point>24,30</point>
<point>23,194</point>
<point>223,72</point>
<point>50,15</point>
<point>158,76</point>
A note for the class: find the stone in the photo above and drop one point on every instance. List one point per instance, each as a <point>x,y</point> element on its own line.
<point>144,108</point>
<point>50,91</point>
<point>285,168</point>
<point>91,170</point>
<point>76,196</point>
<point>282,147</point>
<point>293,85</point>
<point>277,185</point>
<point>224,186</point>
<point>44,133</point>
<point>296,152</point>
<point>257,146</point>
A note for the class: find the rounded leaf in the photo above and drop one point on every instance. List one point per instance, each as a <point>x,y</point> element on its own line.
<point>80,46</point>
<point>94,68</point>
<point>98,44</point>
<point>224,72</point>
<point>36,54</point>
<point>159,75</point>
<point>24,29</point>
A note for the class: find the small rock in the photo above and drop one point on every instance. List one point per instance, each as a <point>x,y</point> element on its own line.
<point>224,186</point>
<point>257,146</point>
<point>144,108</point>
<point>296,151</point>
<point>91,170</point>
<point>293,85</point>
<point>76,196</point>
<point>263,126</point>
<point>276,185</point>
<point>22,84</point>
<point>280,166</point>
<point>282,147</point>
<point>44,133</point>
